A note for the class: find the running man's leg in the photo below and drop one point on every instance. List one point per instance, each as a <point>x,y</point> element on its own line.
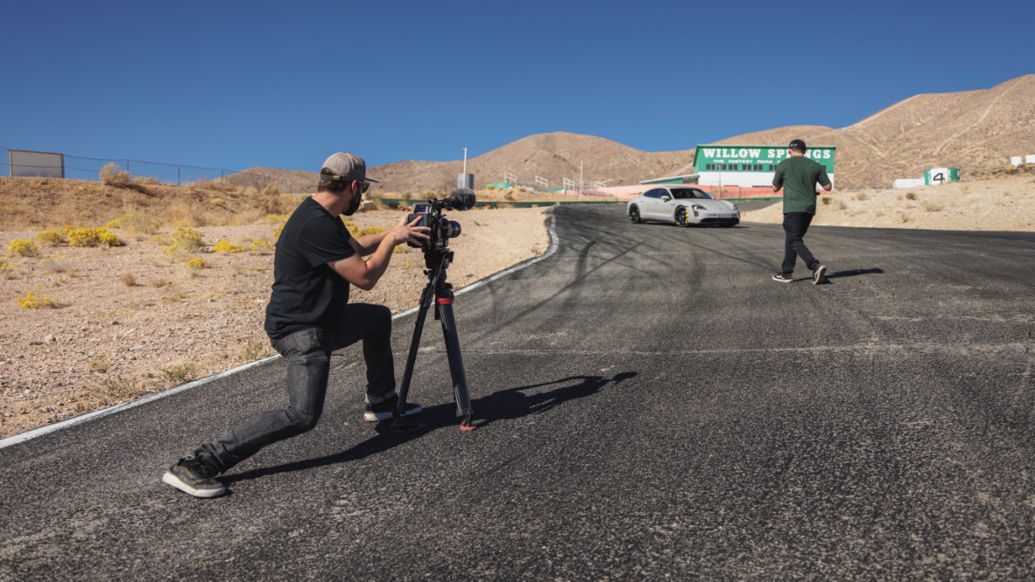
<point>795,225</point>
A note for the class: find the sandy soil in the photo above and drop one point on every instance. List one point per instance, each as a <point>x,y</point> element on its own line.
<point>1006,203</point>
<point>132,320</point>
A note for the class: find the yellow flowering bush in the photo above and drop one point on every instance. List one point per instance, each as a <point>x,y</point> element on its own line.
<point>51,237</point>
<point>259,245</point>
<point>195,263</point>
<point>33,301</point>
<point>92,237</point>
<point>225,246</point>
<point>22,247</point>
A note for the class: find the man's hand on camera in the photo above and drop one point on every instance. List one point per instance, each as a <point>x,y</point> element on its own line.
<point>409,232</point>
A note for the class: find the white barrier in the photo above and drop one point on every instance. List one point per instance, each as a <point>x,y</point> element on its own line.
<point>1016,161</point>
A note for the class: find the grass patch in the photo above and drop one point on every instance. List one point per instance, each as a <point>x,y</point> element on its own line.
<point>179,373</point>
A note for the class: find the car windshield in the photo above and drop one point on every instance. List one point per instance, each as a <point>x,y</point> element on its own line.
<point>688,193</point>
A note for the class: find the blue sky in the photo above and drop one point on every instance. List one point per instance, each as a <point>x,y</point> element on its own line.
<point>241,84</point>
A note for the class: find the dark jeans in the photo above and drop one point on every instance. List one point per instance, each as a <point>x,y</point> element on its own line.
<point>795,225</point>
<point>308,354</point>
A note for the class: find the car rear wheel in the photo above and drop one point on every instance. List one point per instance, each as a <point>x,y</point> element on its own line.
<point>634,215</point>
<point>681,217</point>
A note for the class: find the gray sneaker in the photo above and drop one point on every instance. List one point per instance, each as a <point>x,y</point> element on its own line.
<point>819,275</point>
<point>194,478</point>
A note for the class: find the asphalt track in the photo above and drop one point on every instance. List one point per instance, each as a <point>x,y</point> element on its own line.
<point>653,406</point>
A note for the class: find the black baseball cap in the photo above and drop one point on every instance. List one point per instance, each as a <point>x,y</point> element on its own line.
<point>797,144</point>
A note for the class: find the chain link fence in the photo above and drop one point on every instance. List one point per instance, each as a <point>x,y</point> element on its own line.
<point>89,168</point>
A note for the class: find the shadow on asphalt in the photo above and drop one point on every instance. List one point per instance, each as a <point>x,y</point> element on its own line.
<point>506,404</point>
<point>854,273</point>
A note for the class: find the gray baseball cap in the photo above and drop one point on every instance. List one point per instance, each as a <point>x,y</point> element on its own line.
<point>344,166</point>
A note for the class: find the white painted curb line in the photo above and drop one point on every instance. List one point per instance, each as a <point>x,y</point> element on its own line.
<point>38,432</point>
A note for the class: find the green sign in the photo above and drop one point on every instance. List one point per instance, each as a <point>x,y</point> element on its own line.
<point>753,158</point>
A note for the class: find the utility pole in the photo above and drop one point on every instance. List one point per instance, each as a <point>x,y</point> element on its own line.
<point>465,163</point>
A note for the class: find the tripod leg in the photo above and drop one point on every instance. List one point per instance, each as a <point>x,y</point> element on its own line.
<point>456,360</point>
<point>411,356</point>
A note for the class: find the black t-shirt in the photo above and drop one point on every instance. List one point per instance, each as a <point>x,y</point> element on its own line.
<point>306,292</point>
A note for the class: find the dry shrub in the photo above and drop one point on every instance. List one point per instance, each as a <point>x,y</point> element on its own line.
<point>112,175</point>
<point>277,230</point>
<point>911,196</point>
<point>185,240</point>
<point>179,373</point>
<point>138,222</point>
<point>861,196</point>
<point>56,264</point>
<point>7,270</point>
<point>932,207</point>
<point>22,247</point>
<point>368,230</point>
<point>269,200</point>
<point>128,280</point>
<point>825,200</point>
<point>195,263</point>
<point>98,364</point>
<point>116,388</point>
<point>146,180</point>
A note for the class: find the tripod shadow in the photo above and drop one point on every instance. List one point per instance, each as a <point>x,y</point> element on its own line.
<point>508,404</point>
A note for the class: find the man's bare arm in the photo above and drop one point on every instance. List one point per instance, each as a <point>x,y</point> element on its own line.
<point>366,274</point>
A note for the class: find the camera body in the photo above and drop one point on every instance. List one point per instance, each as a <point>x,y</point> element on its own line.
<point>442,229</point>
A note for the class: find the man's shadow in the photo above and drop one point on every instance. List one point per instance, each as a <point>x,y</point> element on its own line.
<point>508,404</point>
<point>852,273</point>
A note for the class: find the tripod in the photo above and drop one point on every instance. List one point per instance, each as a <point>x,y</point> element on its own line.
<point>438,288</point>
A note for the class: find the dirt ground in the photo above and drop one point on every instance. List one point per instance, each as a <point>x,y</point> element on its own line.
<point>1006,203</point>
<point>131,320</point>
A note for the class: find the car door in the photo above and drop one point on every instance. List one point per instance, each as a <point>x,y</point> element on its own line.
<point>653,204</point>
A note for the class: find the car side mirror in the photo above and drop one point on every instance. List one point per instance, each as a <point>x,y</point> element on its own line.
<point>665,198</point>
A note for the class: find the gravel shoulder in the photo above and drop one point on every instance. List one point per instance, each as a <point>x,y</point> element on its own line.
<point>999,204</point>
<point>132,320</point>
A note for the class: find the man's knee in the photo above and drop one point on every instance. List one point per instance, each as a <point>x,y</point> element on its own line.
<point>302,420</point>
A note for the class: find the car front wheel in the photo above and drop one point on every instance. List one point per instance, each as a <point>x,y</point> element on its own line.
<point>634,215</point>
<point>681,217</point>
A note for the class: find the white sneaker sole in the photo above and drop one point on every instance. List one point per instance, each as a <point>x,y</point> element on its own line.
<point>821,272</point>
<point>379,416</point>
<point>170,479</point>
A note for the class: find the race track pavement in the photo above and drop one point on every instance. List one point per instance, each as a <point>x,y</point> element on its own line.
<point>653,405</point>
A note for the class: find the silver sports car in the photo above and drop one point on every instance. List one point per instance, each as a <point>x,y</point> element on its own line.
<point>683,205</point>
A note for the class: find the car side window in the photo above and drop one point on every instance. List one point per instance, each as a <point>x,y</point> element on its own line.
<point>655,193</point>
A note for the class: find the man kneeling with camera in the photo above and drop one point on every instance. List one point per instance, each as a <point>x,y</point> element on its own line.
<point>308,317</point>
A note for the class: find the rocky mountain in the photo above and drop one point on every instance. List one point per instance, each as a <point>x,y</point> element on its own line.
<point>976,131</point>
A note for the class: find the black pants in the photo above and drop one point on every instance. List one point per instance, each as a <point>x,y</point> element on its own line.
<point>795,225</point>
<point>308,355</point>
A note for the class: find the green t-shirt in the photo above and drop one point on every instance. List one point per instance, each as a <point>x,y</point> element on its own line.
<point>798,176</point>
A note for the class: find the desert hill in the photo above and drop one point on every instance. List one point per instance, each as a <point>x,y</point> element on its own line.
<point>551,155</point>
<point>976,131</point>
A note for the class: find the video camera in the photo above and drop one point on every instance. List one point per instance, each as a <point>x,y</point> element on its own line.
<point>442,229</point>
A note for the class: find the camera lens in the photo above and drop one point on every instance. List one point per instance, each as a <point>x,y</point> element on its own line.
<point>452,229</point>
